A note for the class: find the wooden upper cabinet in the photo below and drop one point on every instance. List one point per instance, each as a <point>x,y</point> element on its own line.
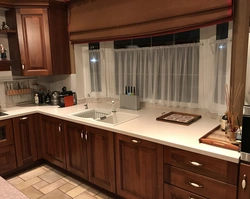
<point>41,45</point>
<point>244,181</point>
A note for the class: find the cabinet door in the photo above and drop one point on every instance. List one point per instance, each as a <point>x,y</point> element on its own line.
<point>101,166</point>
<point>139,168</point>
<point>6,133</point>
<point>52,135</point>
<point>244,180</point>
<point>25,140</point>
<point>34,41</point>
<point>76,149</point>
<point>7,158</point>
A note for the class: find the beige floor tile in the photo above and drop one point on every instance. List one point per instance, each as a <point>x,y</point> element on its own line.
<point>15,181</point>
<point>56,194</point>
<point>92,191</point>
<point>84,195</point>
<point>32,193</point>
<point>50,176</point>
<point>76,191</point>
<point>27,183</point>
<point>102,196</point>
<point>40,184</point>
<point>52,186</point>
<point>67,187</point>
<point>72,180</point>
<point>33,173</point>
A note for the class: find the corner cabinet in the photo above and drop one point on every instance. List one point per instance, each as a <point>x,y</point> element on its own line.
<point>52,134</point>
<point>244,180</point>
<point>139,168</point>
<point>41,39</point>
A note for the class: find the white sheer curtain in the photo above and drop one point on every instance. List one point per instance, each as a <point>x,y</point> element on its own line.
<point>165,75</point>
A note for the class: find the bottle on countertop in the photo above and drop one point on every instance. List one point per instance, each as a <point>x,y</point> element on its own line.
<point>36,99</point>
<point>47,98</point>
<point>223,122</point>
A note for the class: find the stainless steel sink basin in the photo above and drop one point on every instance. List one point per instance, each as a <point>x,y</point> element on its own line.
<point>2,114</point>
<point>105,116</point>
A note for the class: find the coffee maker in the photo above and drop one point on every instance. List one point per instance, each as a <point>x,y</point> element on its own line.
<point>245,139</point>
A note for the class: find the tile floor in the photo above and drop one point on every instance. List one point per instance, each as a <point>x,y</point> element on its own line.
<point>45,182</point>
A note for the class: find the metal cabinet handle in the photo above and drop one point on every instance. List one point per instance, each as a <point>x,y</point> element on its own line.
<point>60,128</point>
<point>190,197</point>
<point>195,184</point>
<point>23,118</point>
<point>244,182</point>
<point>23,66</point>
<point>136,141</point>
<point>82,134</point>
<point>86,135</point>
<point>197,164</point>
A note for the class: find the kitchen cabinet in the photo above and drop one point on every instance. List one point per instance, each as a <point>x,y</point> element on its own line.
<point>52,134</point>
<point>90,154</point>
<point>25,140</point>
<point>188,173</point>
<point>7,148</point>
<point>139,168</point>
<point>243,184</point>
<point>41,45</point>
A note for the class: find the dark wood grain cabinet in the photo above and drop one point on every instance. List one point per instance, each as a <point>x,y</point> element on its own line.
<point>244,180</point>
<point>7,148</point>
<point>25,140</point>
<point>188,174</point>
<point>52,135</point>
<point>41,45</point>
<point>139,168</point>
<point>90,154</point>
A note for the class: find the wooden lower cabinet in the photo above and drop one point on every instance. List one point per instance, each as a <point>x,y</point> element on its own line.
<point>244,179</point>
<point>90,154</point>
<point>139,168</point>
<point>25,140</point>
<point>7,148</point>
<point>53,145</point>
<point>172,192</point>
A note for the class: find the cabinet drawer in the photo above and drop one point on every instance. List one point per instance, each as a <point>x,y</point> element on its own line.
<point>172,192</point>
<point>201,185</point>
<point>201,164</point>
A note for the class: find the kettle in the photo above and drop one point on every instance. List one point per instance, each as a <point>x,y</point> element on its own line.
<point>55,98</point>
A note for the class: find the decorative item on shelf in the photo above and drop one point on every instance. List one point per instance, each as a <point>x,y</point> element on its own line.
<point>4,26</point>
<point>3,51</point>
<point>231,126</point>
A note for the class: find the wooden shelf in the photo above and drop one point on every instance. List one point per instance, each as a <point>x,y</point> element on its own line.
<point>5,65</point>
<point>7,31</point>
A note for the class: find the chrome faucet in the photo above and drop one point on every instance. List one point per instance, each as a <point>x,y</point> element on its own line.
<point>86,104</point>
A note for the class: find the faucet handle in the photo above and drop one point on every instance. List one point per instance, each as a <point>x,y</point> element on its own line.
<point>86,106</point>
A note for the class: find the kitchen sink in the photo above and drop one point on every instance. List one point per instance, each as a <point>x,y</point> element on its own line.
<point>2,114</point>
<point>105,116</point>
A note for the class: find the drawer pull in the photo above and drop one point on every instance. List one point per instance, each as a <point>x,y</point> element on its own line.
<point>82,135</point>
<point>190,197</point>
<point>136,141</point>
<point>197,164</point>
<point>195,184</point>
<point>244,182</point>
<point>23,118</point>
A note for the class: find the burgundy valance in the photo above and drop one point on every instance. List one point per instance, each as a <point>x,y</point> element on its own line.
<point>100,20</point>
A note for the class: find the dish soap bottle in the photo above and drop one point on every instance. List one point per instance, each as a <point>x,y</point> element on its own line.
<point>36,99</point>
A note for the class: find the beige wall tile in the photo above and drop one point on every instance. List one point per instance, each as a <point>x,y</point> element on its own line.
<point>32,193</point>
<point>67,187</point>
<point>56,194</point>
<point>50,176</point>
<point>27,183</point>
<point>40,184</point>
<point>76,191</point>
<point>33,173</point>
<point>52,186</point>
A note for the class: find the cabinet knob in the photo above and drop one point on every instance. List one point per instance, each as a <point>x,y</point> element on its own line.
<point>193,184</point>
<point>23,118</point>
<point>136,141</point>
<point>82,135</point>
<point>23,66</point>
<point>86,135</point>
<point>60,128</point>
<point>244,182</point>
<point>197,164</point>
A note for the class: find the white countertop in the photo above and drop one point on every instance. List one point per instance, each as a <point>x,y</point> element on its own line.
<point>144,127</point>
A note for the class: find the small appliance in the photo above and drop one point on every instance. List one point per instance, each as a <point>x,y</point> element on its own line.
<point>245,140</point>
